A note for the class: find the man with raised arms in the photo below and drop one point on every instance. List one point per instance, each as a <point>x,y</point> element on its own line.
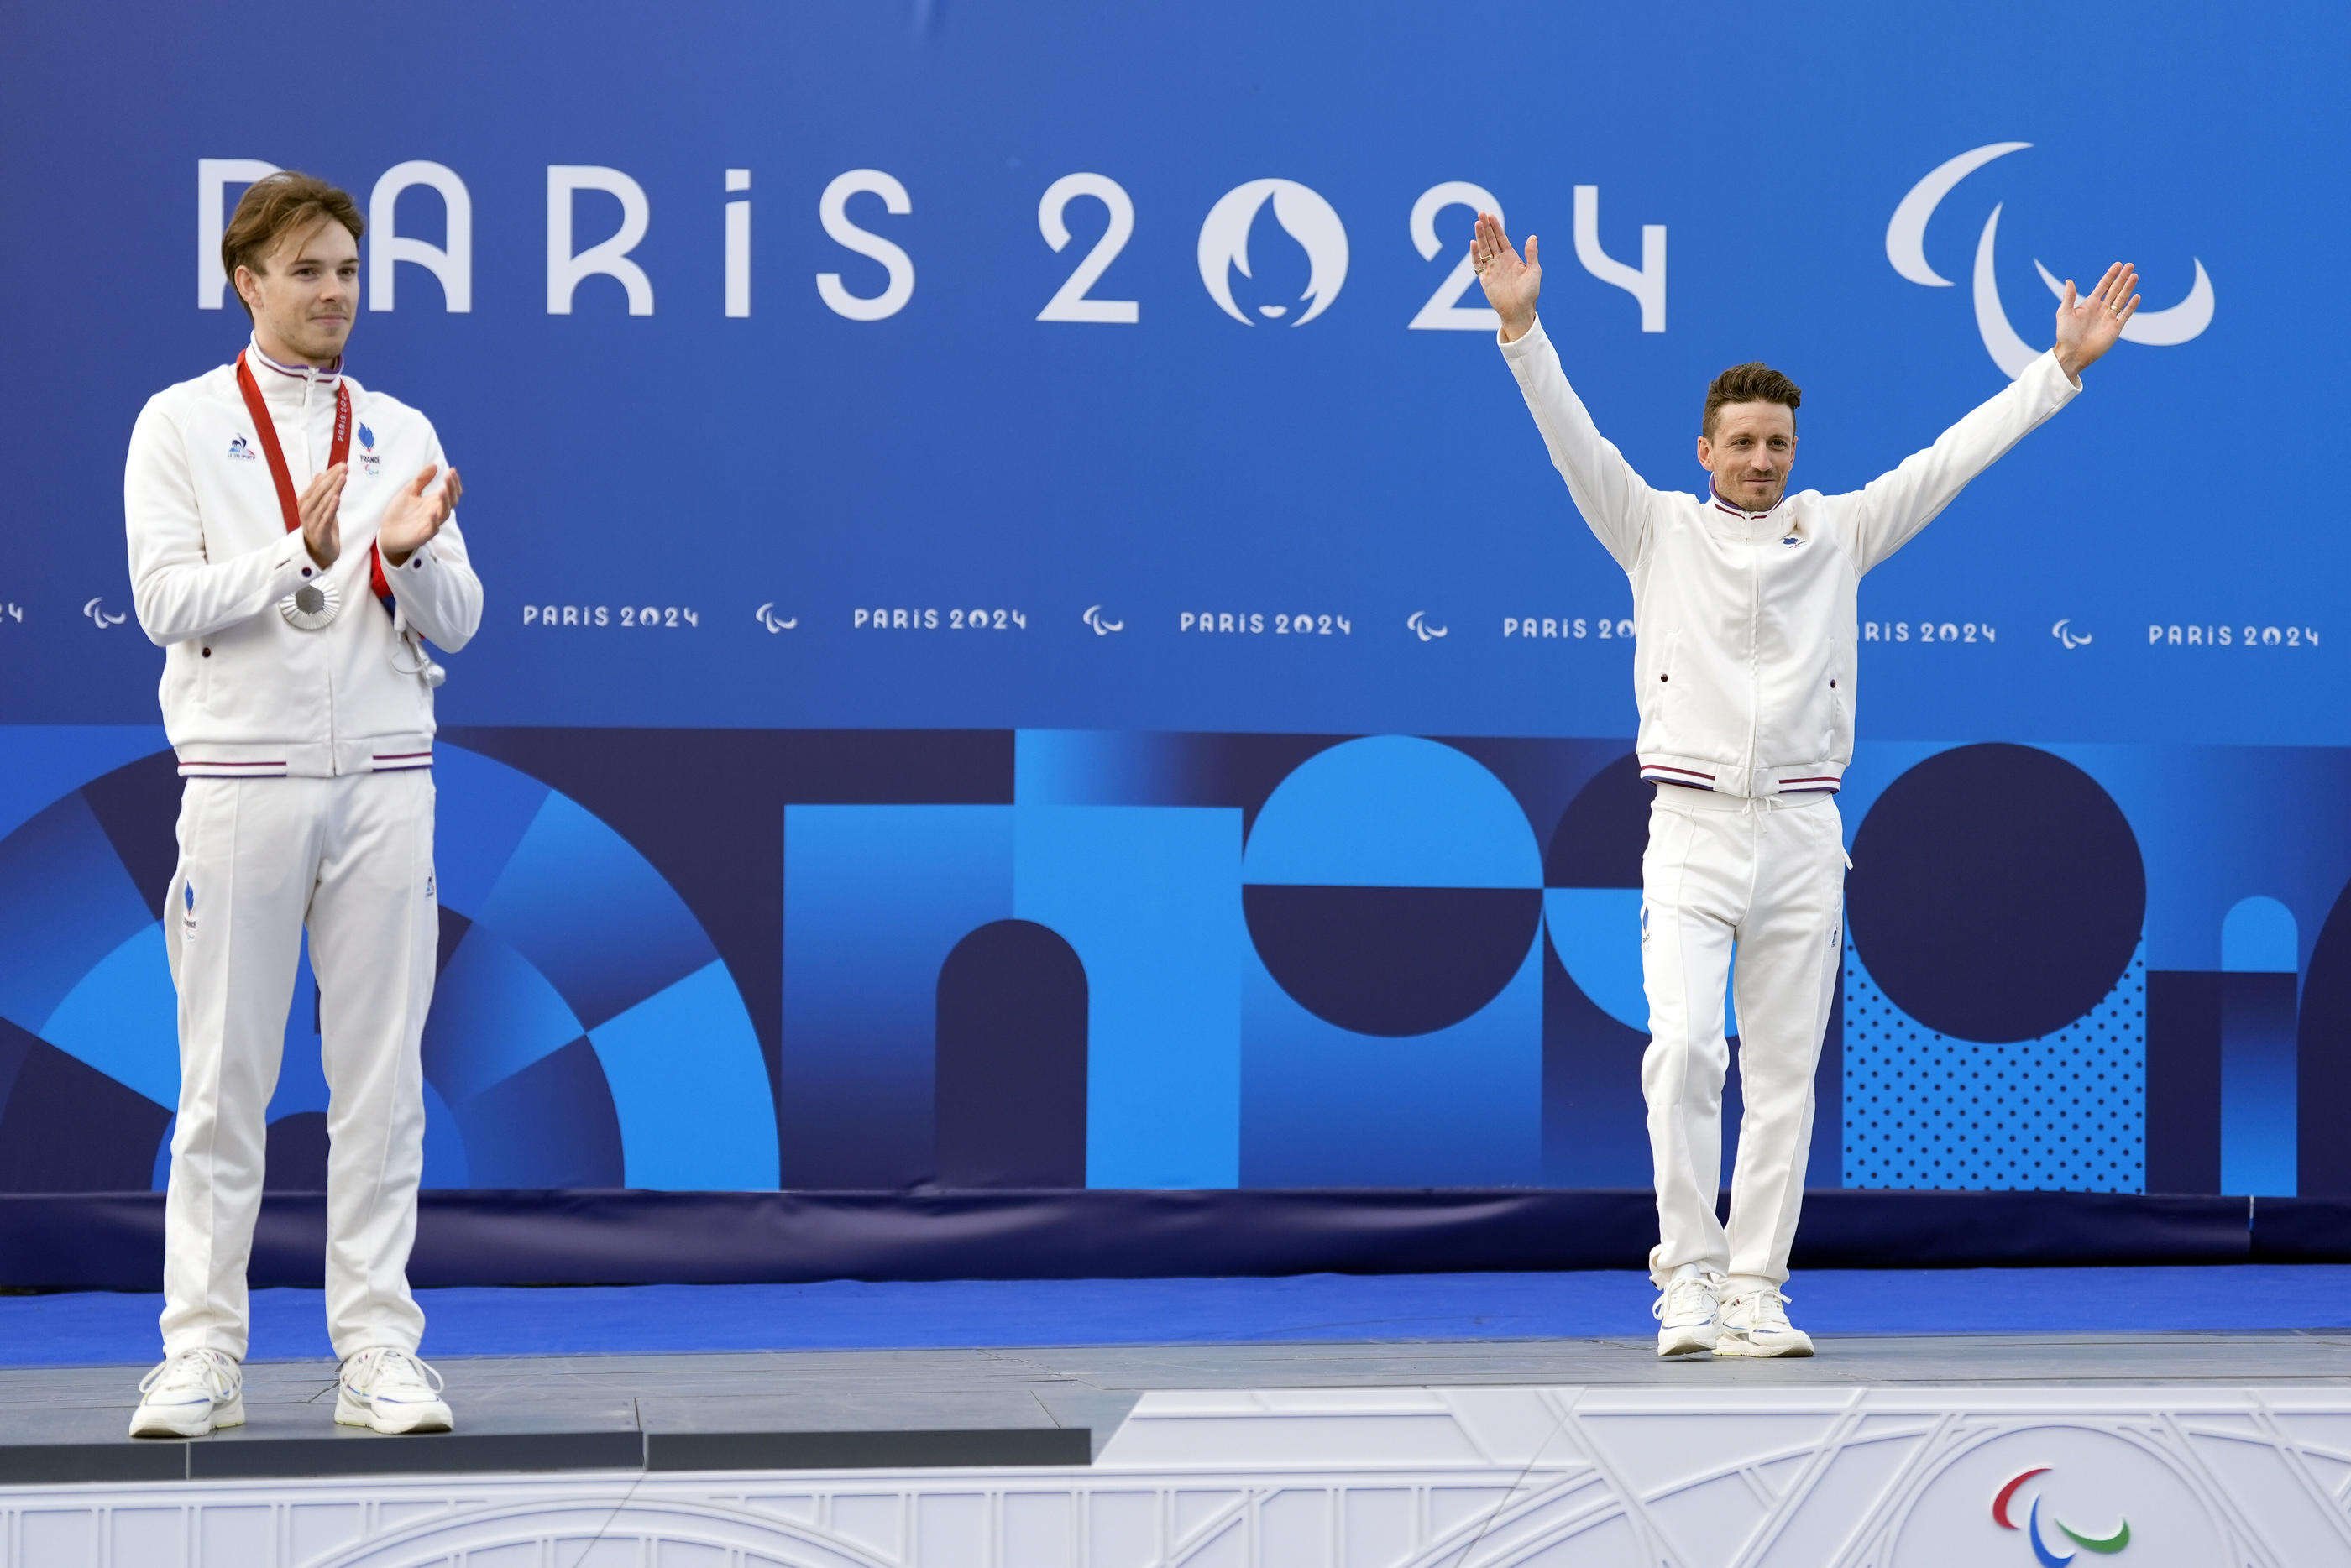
<point>1744,610</point>
<point>291,544</point>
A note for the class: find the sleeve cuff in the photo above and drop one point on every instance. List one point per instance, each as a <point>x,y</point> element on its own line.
<point>295,566</point>
<point>2072,384</point>
<point>1527,342</point>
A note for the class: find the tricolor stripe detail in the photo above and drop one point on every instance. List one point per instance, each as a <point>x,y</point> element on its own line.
<point>331,373</point>
<point>1662,768</point>
<point>1722,506</point>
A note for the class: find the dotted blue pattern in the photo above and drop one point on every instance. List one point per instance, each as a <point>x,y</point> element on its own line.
<point>2065,1113</point>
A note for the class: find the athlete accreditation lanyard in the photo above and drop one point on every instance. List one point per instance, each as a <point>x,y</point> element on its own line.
<point>314,604</point>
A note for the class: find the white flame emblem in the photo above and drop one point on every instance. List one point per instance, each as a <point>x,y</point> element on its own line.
<point>1303,215</point>
<point>1906,247</point>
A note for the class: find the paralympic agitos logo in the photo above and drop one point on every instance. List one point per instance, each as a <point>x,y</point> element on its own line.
<point>2103,1545</point>
<point>1906,240</point>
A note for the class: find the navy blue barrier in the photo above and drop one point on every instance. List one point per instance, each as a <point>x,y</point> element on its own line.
<point>114,1241</point>
<point>2302,1230</point>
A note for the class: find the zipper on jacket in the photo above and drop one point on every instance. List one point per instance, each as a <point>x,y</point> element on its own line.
<point>310,452</point>
<point>1754,654</point>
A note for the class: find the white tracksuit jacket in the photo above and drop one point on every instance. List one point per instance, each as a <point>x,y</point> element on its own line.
<point>244,693</point>
<point>1744,673</point>
<point>1744,663</point>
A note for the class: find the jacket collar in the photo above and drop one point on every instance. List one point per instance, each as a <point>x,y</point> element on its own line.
<point>1737,522</point>
<point>1714,498</point>
<point>294,383</point>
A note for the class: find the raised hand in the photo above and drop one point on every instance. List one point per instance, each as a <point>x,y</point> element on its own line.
<point>1510,285</point>
<point>415,515</point>
<point>2087,328</point>
<point>321,510</point>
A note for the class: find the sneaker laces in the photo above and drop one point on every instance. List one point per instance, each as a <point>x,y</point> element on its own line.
<point>1674,1302</point>
<point>1765,1308</point>
<point>210,1372</point>
<point>383,1368</point>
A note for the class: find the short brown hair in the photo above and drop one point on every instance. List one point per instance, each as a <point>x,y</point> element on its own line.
<point>1754,382</point>
<point>273,204</point>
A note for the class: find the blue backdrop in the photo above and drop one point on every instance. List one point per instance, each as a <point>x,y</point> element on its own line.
<point>975,561</point>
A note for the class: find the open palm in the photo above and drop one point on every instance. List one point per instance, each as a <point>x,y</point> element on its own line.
<point>2088,327</point>
<point>1511,285</point>
<point>417,513</point>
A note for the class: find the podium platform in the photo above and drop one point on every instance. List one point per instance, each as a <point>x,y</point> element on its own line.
<point>1883,1451</point>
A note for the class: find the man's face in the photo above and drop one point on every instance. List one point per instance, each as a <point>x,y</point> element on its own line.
<point>308,291</point>
<point>1750,453</point>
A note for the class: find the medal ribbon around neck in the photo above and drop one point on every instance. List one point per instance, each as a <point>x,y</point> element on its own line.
<point>282,477</point>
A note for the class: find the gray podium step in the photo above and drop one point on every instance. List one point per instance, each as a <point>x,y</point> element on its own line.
<point>909,1409</point>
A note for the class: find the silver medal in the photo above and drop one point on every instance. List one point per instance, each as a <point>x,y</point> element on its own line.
<point>312,606</point>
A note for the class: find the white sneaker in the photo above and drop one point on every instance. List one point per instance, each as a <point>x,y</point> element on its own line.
<point>188,1394</point>
<point>1686,1311</point>
<point>391,1391</point>
<point>1755,1323</point>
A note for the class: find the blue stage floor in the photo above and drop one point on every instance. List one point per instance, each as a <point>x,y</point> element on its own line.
<point>102,1328</point>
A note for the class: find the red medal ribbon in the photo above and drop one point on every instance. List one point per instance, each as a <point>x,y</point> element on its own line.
<point>282,477</point>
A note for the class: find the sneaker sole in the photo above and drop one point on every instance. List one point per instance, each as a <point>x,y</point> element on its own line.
<point>1733,1345</point>
<point>351,1412</point>
<point>162,1424</point>
<point>1690,1342</point>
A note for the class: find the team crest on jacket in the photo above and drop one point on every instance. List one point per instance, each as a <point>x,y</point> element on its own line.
<point>371,460</point>
<point>241,450</point>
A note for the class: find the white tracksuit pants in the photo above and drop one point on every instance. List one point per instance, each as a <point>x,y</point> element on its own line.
<point>351,857</point>
<point>1767,876</point>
